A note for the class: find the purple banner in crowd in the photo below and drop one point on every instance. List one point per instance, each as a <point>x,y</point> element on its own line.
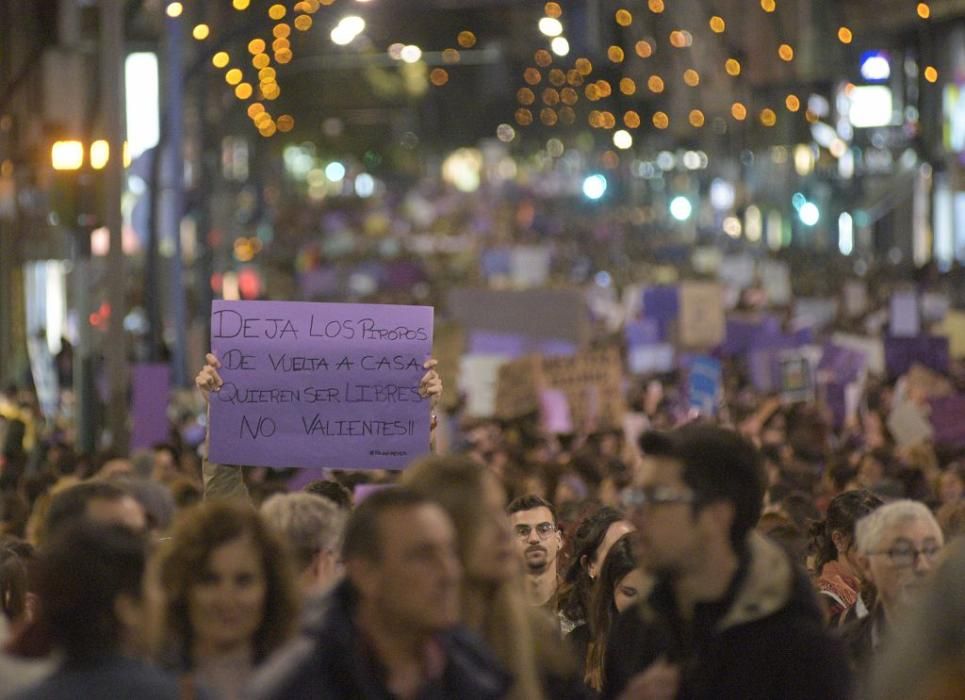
<point>902,353</point>
<point>151,383</point>
<point>494,343</point>
<point>661,303</point>
<point>645,331</point>
<point>319,385</point>
<point>514,345</point>
<point>841,365</point>
<point>947,417</point>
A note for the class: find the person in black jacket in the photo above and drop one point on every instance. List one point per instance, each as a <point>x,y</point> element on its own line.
<point>389,630</point>
<point>730,616</point>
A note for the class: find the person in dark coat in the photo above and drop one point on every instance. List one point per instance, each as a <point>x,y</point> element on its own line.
<point>730,615</point>
<point>93,611</point>
<point>389,630</point>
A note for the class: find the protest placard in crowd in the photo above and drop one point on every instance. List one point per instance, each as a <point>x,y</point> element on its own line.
<point>320,385</point>
<point>905,316</point>
<point>701,322</point>
<point>590,381</point>
<point>704,385</point>
<point>151,384</point>
<point>953,327</point>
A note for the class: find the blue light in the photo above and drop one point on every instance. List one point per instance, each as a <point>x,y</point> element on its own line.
<point>681,208</point>
<point>594,186</point>
<point>335,171</point>
<point>875,66</point>
<point>798,200</point>
<point>809,214</point>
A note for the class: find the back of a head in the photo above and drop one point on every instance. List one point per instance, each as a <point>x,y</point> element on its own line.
<point>363,535</point>
<point>70,505</point>
<point>17,560</point>
<point>332,490</point>
<point>718,465</point>
<point>155,498</point>
<point>82,572</point>
<point>308,523</point>
<point>588,537</point>
<point>457,484</point>
<point>844,511</point>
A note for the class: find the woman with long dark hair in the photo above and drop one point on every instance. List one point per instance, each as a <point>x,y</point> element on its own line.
<point>832,541</point>
<point>621,584</point>
<point>494,604</point>
<point>593,539</point>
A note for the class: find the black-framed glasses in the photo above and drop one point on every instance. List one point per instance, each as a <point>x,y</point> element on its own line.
<point>905,554</point>
<point>543,530</point>
<point>635,498</point>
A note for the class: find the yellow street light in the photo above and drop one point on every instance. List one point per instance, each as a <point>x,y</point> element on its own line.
<point>67,155</point>
<point>100,153</point>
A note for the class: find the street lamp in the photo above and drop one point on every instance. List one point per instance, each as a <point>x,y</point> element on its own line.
<point>67,155</point>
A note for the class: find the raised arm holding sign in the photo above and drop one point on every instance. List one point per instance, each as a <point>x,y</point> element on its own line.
<point>319,385</point>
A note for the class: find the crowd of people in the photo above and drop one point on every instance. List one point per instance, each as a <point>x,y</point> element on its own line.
<point>759,556</point>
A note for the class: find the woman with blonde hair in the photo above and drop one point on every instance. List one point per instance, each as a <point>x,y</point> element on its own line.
<point>493,600</point>
<point>228,597</point>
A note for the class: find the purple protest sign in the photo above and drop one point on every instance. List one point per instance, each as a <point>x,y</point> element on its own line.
<point>319,385</point>
<point>482,342</point>
<point>947,417</point>
<point>902,353</point>
<point>151,384</point>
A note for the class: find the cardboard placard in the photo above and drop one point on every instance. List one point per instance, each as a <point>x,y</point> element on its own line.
<point>591,381</point>
<point>953,327</point>
<point>478,379</point>
<point>908,425</point>
<point>319,385</point>
<point>776,281</point>
<point>855,294</point>
<point>702,323</point>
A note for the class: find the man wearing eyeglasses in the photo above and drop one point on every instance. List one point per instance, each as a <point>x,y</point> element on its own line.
<point>730,616</point>
<point>538,542</point>
<point>898,547</point>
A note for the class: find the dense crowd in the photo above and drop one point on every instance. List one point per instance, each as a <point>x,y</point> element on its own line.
<point>758,555</point>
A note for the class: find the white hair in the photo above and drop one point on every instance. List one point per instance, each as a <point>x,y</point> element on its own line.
<point>308,522</point>
<point>871,528</point>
